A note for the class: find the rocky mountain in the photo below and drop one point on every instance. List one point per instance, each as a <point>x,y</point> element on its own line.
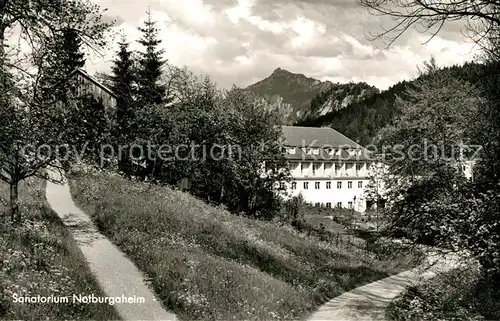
<point>297,97</point>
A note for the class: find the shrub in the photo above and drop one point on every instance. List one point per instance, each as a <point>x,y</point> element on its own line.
<point>460,294</point>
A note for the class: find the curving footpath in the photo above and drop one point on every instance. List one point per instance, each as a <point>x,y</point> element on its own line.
<point>116,274</point>
<point>370,301</point>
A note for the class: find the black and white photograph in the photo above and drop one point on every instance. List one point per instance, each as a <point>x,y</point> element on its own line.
<point>260,160</point>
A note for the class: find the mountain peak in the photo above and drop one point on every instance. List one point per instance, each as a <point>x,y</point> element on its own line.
<point>280,71</point>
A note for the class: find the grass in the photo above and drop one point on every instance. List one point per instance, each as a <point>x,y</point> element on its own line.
<point>205,263</point>
<point>460,294</point>
<point>39,257</point>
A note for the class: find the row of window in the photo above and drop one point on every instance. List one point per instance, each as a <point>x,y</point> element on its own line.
<point>338,205</point>
<point>317,166</point>
<point>329,151</point>
<point>328,185</point>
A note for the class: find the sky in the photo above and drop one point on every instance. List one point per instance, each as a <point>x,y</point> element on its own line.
<point>242,41</point>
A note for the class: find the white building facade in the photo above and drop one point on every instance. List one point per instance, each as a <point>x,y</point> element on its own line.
<point>327,168</point>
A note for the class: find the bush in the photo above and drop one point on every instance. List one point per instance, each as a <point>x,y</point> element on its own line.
<point>460,294</point>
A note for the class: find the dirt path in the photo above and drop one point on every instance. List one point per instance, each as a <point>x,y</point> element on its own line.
<point>369,302</point>
<point>116,274</point>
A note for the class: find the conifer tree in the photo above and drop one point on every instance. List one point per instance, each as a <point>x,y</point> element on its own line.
<point>150,63</point>
<point>123,85</point>
<point>65,56</point>
<point>72,56</point>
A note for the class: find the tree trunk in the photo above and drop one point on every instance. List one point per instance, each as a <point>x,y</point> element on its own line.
<point>14,202</point>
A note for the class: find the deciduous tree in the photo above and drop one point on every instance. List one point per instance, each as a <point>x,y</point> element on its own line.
<point>33,124</point>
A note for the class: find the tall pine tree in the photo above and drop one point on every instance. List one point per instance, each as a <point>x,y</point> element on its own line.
<point>62,56</point>
<point>150,63</point>
<point>71,54</point>
<point>66,54</point>
<point>123,85</point>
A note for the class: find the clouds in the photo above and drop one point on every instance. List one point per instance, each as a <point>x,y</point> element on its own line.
<point>243,41</point>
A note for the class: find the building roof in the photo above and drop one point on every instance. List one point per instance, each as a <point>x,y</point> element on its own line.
<point>303,138</point>
<point>93,80</point>
<point>316,137</point>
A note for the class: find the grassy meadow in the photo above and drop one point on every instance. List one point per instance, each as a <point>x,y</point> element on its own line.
<point>205,263</point>
<point>39,257</point>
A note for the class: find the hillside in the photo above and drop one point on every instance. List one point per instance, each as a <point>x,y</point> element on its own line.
<point>207,264</point>
<point>362,118</point>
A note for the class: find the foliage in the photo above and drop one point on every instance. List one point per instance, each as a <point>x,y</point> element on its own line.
<point>63,55</point>
<point>206,135</point>
<point>93,128</point>
<point>33,116</point>
<point>432,202</point>
<point>457,295</point>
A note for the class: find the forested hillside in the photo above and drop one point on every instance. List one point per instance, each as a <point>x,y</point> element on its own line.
<point>362,119</point>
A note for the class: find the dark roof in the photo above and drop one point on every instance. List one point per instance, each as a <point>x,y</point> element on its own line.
<point>93,80</point>
<point>303,138</point>
<point>316,137</point>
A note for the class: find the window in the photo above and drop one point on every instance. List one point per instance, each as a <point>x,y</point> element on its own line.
<point>360,184</point>
<point>355,152</point>
<point>282,185</point>
<point>315,151</point>
<point>290,151</point>
<point>292,166</point>
<point>316,167</point>
<point>349,204</point>
<point>349,184</point>
<point>307,151</point>
<point>339,184</point>
<point>328,205</point>
<point>358,167</point>
<point>339,204</point>
<point>337,167</point>
<point>316,185</point>
<point>317,205</point>
<point>328,185</point>
<point>294,185</point>
<point>306,185</point>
